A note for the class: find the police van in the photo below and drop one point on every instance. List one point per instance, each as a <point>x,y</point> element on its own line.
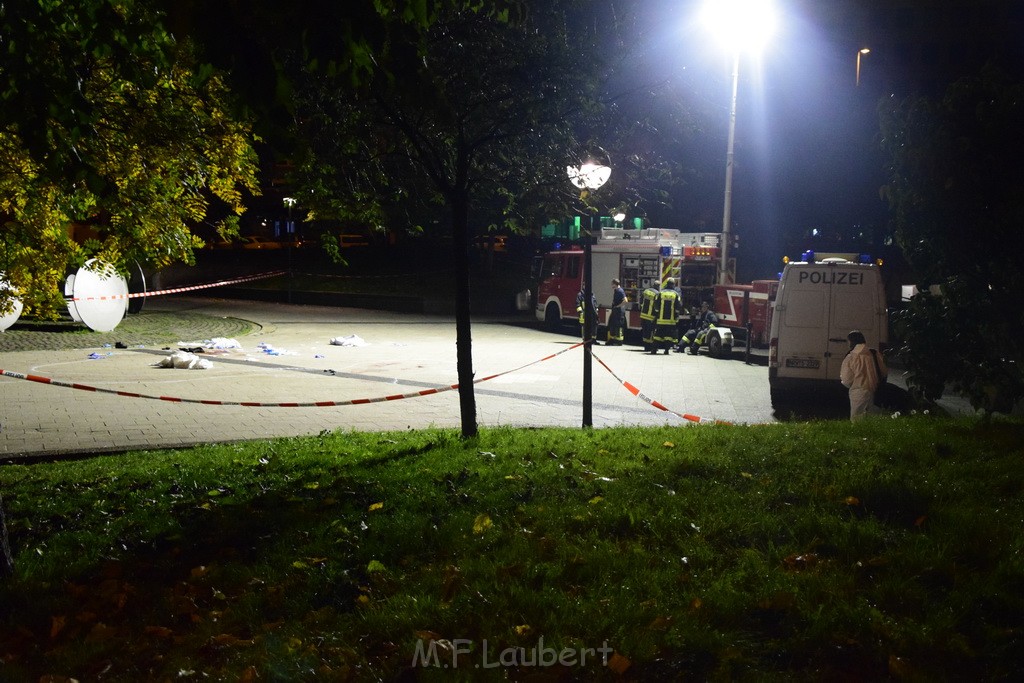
<point>818,303</point>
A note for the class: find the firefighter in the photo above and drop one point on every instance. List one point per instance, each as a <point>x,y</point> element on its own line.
<point>694,337</point>
<point>668,310</point>
<point>648,310</point>
<point>593,315</point>
<point>617,316</point>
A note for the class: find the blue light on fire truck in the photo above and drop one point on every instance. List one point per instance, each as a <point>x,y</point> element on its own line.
<point>665,251</point>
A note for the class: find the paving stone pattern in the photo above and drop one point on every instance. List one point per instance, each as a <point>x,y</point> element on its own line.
<point>142,329</point>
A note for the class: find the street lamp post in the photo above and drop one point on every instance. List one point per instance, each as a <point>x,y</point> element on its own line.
<point>723,276</point>
<point>589,176</point>
<point>862,51</point>
<point>290,234</point>
<point>741,25</point>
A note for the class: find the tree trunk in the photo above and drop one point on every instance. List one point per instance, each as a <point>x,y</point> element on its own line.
<point>463,332</point>
<point>6,560</point>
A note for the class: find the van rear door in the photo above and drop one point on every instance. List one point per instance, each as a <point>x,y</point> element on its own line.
<point>824,303</point>
<point>803,312</point>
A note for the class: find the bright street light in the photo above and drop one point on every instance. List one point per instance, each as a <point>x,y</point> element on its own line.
<point>741,25</point>
<point>589,176</point>
<point>862,51</point>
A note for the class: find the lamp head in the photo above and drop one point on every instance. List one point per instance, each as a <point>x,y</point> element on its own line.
<point>741,25</point>
<point>589,176</point>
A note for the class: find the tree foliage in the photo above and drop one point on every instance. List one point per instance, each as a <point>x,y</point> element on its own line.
<point>111,124</point>
<point>958,206</point>
<point>477,126</point>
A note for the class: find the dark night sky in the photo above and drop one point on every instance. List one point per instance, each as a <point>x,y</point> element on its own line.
<point>806,152</point>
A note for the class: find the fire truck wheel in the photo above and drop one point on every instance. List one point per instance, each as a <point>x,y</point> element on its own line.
<point>552,318</point>
<point>714,345</point>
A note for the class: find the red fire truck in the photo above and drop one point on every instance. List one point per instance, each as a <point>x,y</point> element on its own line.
<point>739,305</point>
<point>638,258</point>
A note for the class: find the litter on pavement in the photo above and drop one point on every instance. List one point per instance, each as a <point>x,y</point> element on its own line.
<point>270,350</point>
<point>348,340</point>
<point>183,360</point>
<point>215,343</point>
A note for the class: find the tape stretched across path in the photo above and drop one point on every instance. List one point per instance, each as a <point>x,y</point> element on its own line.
<point>640,395</point>
<point>254,404</point>
<point>353,402</point>
<point>179,290</point>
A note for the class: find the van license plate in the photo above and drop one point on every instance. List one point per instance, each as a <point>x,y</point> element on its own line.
<point>809,363</point>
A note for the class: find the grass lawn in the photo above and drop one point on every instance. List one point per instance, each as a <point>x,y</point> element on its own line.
<point>888,549</point>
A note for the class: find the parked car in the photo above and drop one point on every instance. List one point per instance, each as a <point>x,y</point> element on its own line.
<point>257,242</point>
<point>348,241</point>
<point>484,242</point>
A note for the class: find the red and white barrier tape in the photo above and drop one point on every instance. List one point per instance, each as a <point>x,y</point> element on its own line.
<point>253,404</point>
<point>640,395</point>
<point>362,401</point>
<point>178,290</point>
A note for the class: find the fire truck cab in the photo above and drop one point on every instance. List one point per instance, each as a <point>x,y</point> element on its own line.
<point>639,258</point>
<point>747,309</point>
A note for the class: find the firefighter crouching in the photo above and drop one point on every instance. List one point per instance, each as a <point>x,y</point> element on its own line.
<point>694,337</point>
<point>668,308</point>
<point>648,313</point>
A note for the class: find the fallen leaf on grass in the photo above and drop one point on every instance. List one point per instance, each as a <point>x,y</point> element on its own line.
<point>57,625</point>
<point>100,632</point>
<point>523,630</point>
<point>852,501</point>
<point>800,562</point>
<point>427,635</point>
<point>376,506</point>
<point>901,669</point>
<point>158,631</point>
<point>668,444</point>
<point>452,576</point>
<point>482,523</point>
<point>618,664</point>
<point>660,624</point>
<point>228,640</point>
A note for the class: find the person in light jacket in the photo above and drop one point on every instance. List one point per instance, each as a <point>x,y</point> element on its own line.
<point>862,371</point>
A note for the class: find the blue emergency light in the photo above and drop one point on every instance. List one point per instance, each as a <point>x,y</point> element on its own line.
<point>665,251</point>
<point>808,256</point>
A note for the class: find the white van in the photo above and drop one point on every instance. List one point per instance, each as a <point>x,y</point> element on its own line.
<point>817,305</point>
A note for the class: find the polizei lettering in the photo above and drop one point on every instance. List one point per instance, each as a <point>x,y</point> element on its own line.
<point>831,277</point>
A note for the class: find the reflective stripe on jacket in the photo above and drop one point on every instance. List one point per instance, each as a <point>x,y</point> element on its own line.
<point>668,307</point>
<point>650,297</point>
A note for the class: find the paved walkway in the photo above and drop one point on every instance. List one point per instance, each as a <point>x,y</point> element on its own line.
<point>403,354</point>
